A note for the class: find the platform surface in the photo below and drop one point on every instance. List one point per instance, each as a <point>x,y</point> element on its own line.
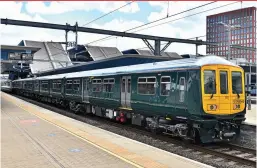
<point>251,114</point>
<point>35,137</point>
<point>28,141</point>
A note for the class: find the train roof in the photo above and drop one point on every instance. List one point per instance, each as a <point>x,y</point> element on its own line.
<point>144,68</point>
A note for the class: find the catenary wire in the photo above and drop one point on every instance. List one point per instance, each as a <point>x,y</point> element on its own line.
<point>107,13</point>
<point>111,37</point>
<point>157,20</point>
<point>204,35</point>
<point>170,16</point>
<point>186,16</point>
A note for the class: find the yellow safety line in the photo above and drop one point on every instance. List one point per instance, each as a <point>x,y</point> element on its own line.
<point>78,136</point>
<point>124,108</point>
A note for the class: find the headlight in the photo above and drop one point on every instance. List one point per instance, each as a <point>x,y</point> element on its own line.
<point>236,106</point>
<point>212,107</point>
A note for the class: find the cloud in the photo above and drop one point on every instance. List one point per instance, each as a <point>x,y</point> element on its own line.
<point>184,28</point>
<point>177,7</point>
<point>62,7</point>
<point>12,35</point>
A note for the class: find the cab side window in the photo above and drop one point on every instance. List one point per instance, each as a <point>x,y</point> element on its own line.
<point>237,86</point>
<point>209,82</point>
<point>223,82</point>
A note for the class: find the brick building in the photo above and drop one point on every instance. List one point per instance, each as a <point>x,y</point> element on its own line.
<point>244,36</point>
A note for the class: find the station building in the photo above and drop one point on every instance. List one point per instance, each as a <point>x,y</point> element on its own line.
<point>244,36</point>
<point>11,57</point>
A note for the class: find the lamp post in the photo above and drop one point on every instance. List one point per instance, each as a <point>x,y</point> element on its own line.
<point>229,28</point>
<point>249,90</point>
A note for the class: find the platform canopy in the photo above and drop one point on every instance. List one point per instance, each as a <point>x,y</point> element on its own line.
<point>150,53</point>
<point>11,55</point>
<point>100,53</point>
<point>51,56</point>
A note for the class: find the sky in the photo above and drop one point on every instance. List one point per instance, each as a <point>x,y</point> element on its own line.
<point>184,25</point>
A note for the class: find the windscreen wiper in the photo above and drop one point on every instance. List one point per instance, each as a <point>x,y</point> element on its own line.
<point>238,96</point>
<point>212,95</point>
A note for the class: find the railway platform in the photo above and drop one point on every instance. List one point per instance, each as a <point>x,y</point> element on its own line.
<point>251,114</point>
<point>35,137</point>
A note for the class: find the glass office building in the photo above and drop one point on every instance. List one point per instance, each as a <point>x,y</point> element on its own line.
<point>244,36</point>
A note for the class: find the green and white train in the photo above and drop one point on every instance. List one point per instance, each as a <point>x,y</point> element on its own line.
<point>200,99</point>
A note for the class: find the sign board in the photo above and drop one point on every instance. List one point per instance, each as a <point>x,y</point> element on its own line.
<point>28,51</point>
<point>21,56</point>
<point>14,56</point>
<point>26,57</point>
<point>71,44</point>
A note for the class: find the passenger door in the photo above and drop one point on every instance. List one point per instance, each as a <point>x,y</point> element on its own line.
<point>223,90</point>
<point>181,92</point>
<point>210,94</point>
<point>85,90</point>
<point>126,91</point>
<point>237,103</point>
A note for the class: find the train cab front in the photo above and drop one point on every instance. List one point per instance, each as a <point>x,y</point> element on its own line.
<point>223,101</point>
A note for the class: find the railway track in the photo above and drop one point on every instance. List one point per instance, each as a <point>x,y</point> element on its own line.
<point>228,153</point>
<point>233,152</point>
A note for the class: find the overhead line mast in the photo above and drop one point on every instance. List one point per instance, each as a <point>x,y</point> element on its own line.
<point>157,39</point>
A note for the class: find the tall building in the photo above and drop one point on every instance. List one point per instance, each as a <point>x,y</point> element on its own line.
<point>244,36</point>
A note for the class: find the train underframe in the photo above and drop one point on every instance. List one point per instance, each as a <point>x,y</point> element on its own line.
<point>196,131</point>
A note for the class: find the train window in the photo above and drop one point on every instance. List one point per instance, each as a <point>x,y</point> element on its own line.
<point>165,85</point>
<point>97,85</point>
<point>173,83</point>
<point>151,80</point>
<point>56,84</point>
<point>108,85</point>
<point>29,85</point>
<point>44,85</point>
<point>129,85</point>
<point>53,85</point>
<point>59,84</point>
<point>223,82</point>
<point>76,85</point>
<point>36,85</point>
<point>69,84</point>
<point>86,87</point>
<point>141,79</point>
<point>146,85</point>
<point>112,81</point>
<point>237,87</point>
<point>209,82</point>
<point>95,81</point>
<point>123,85</point>
<point>182,84</point>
